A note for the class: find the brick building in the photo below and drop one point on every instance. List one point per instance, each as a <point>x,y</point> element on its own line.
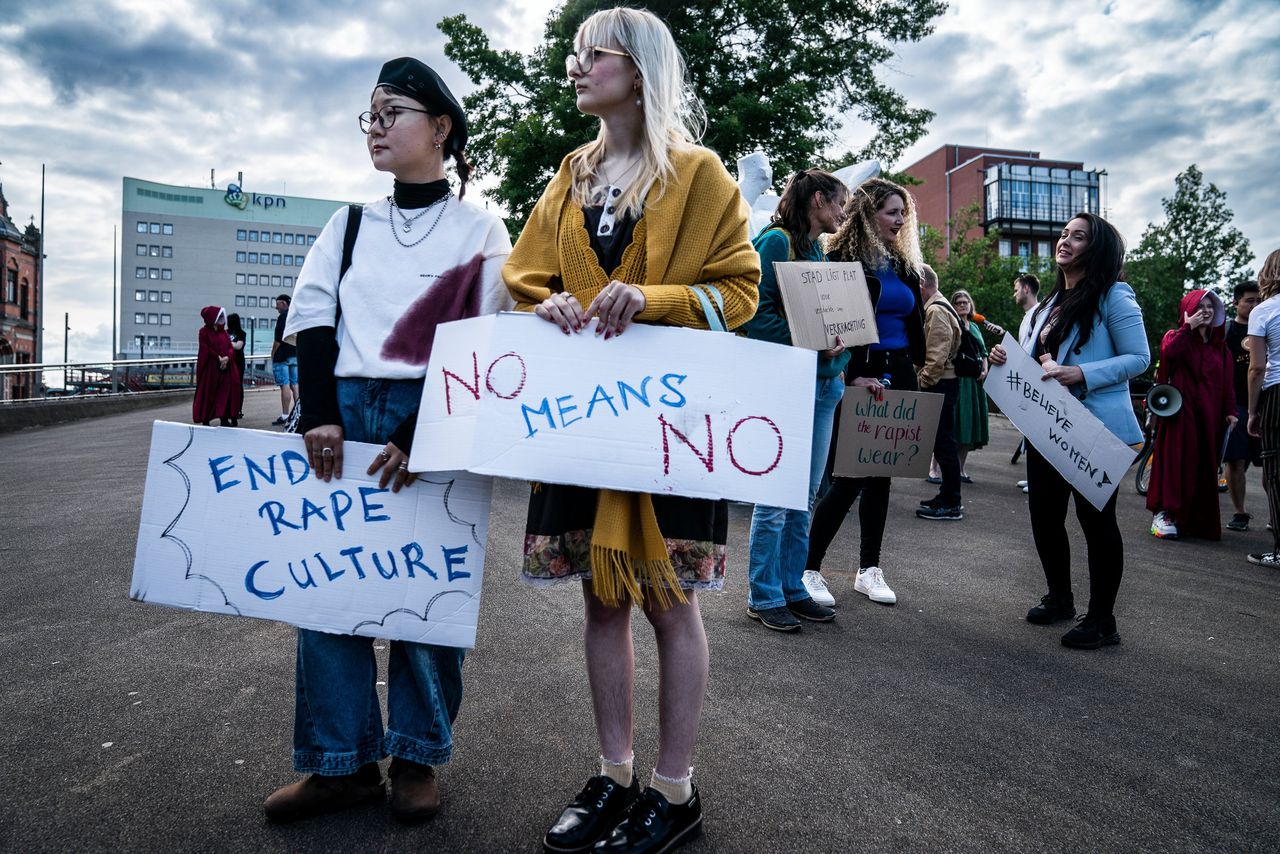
<point>1024,196</point>
<point>20,290</point>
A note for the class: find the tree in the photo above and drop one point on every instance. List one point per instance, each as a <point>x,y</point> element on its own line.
<point>776,75</point>
<point>1196,247</point>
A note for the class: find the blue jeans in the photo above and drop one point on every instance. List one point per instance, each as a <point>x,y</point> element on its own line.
<point>286,372</point>
<point>338,720</point>
<point>779,536</point>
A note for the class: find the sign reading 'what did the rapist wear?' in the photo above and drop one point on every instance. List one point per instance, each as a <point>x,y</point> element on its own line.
<point>656,409</point>
<point>1071,438</point>
<point>236,522</point>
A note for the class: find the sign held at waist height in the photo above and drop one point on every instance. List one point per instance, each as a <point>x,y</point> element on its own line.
<point>824,300</point>
<point>657,409</point>
<point>892,437</point>
<point>235,522</point>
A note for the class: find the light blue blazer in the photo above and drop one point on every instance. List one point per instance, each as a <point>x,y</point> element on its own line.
<point>1115,353</point>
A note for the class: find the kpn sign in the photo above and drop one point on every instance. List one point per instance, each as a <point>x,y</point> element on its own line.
<point>237,198</point>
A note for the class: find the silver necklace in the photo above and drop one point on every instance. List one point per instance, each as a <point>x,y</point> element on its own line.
<point>444,203</point>
<point>634,163</point>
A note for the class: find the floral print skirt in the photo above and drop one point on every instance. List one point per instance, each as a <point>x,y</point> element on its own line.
<point>557,541</point>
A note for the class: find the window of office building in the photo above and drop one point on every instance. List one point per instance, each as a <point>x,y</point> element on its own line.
<point>139,317</point>
<point>166,296</point>
<point>311,238</point>
<point>166,320</point>
<point>288,260</point>
<point>139,296</point>
<point>240,257</point>
<point>166,251</point>
<point>253,257</point>
<point>1006,248</point>
<point>242,234</point>
<point>164,341</point>
<point>253,278</point>
<point>142,249</point>
<point>166,273</point>
<point>288,238</point>
<point>240,300</point>
<point>153,251</point>
<point>153,296</point>
<point>253,237</point>
<point>153,273</point>
<point>288,281</point>
<point>155,228</point>
<point>275,281</point>
<point>153,319</point>
<point>139,272</point>
<point>142,228</point>
<point>277,237</point>
<point>297,260</point>
<point>275,259</point>
<point>240,278</point>
<point>300,239</point>
<point>168,228</point>
<point>152,341</point>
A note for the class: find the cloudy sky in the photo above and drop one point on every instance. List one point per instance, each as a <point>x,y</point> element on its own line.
<point>99,89</point>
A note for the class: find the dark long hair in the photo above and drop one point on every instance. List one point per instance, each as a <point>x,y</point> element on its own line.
<point>1103,262</point>
<point>796,204</point>
<point>233,326</point>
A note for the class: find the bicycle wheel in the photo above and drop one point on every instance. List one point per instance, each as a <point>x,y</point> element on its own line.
<point>1142,478</point>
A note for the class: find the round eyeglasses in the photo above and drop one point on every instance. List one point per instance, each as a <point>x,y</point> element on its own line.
<point>385,117</point>
<point>584,58</point>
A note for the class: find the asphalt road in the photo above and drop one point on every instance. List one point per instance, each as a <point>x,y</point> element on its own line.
<point>945,723</point>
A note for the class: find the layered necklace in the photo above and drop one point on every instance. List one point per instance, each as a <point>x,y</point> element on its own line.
<point>407,222</point>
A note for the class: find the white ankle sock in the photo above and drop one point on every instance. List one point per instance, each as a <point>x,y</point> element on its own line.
<point>676,791</point>
<point>621,772</point>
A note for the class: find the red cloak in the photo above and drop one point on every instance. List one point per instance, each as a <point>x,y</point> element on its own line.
<point>218,391</point>
<point>1184,471</point>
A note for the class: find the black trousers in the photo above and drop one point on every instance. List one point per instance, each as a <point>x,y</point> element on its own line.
<point>834,504</point>
<point>1047,496</point>
<point>945,449</point>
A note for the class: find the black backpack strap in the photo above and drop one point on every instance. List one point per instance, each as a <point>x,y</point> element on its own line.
<point>354,215</point>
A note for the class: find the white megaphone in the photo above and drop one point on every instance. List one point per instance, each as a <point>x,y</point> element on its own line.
<point>1164,400</point>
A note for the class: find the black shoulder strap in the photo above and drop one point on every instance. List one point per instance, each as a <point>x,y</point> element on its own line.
<point>354,215</point>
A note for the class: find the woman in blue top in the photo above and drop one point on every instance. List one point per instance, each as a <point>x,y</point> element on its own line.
<point>1089,336</point>
<point>812,204</point>
<point>881,233</point>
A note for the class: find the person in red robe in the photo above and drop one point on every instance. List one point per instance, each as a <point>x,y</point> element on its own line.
<point>1184,473</point>
<point>218,391</point>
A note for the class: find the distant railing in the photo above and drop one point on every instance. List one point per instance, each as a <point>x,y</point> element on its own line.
<point>115,376</point>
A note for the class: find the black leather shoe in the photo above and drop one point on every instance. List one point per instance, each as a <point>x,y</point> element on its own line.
<point>1092,633</point>
<point>655,825</point>
<point>807,609</point>
<point>591,815</point>
<point>1051,609</point>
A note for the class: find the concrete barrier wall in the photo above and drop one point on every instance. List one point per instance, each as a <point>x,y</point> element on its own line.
<point>19,415</point>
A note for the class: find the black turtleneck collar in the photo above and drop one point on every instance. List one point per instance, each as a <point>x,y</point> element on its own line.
<point>410,196</point>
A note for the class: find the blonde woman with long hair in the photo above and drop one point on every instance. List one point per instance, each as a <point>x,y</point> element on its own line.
<point>880,232</point>
<point>1263,342</point>
<point>629,223</point>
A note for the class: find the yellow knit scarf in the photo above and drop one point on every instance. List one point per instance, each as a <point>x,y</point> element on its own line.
<point>628,552</point>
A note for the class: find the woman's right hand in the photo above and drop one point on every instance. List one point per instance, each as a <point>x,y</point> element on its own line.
<point>997,356</point>
<point>872,385</point>
<point>563,310</point>
<point>322,439</point>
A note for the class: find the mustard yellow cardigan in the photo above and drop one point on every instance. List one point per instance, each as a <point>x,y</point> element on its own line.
<point>693,231</point>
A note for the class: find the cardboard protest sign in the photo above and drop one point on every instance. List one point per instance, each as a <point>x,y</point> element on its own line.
<point>234,522</point>
<point>823,300</point>
<point>657,409</point>
<point>886,438</point>
<point>1088,455</point>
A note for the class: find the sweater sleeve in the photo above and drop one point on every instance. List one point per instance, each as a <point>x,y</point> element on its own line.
<point>770,322</point>
<point>1124,323</point>
<point>535,261</point>
<point>317,385</point>
<point>315,298</point>
<point>494,295</point>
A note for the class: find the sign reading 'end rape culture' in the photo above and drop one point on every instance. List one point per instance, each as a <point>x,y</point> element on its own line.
<point>235,522</point>
<point>656,409</point>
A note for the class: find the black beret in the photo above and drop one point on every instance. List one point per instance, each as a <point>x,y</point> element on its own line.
<point>418,81</point>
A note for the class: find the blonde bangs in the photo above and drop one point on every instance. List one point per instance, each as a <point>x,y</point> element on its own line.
<point>673,116</point>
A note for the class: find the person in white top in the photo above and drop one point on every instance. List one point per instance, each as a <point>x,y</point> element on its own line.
<point>1026,293</point>
<point>364,321</point>
<point>1263,342</point>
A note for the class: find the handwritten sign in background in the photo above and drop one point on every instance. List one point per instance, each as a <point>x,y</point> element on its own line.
<point>886,438</point>
<point>234,522</point>
<point>826,299</point>
<point>656,409</point>
<point>1070,437</point>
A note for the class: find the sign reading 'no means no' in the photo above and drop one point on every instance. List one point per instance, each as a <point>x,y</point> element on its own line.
<point>657,409</point>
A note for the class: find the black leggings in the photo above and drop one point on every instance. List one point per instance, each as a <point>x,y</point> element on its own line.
<point>835,503</point>
<point>1047,495</point>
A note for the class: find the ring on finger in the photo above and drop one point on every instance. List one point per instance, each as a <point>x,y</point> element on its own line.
<point>404,466</point>
<point>383,453</point>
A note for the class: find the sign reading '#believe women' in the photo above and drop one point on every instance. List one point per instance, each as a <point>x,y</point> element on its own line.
<point>657,409</point>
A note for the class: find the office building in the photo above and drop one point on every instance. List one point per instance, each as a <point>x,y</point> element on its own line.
<point>183,248</point>
<point>1027,198</point>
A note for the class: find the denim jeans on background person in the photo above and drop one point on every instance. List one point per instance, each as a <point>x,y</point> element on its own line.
<point>780,536</point>
<point>337,719</point>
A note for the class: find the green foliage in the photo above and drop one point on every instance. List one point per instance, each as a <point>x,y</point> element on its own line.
<point>780,76</point>
<point>1196,247</point>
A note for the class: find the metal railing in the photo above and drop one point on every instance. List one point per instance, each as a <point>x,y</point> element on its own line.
<point>113,376</point>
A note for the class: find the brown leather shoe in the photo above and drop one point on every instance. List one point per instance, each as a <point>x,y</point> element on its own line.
<point>415,796</point>
<point>320,795</point>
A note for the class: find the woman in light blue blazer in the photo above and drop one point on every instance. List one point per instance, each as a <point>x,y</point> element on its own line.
<point>1089,336</point>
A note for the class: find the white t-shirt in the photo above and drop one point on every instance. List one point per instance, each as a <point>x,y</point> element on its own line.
<point>394,296</point>
<point>1024,328</point>
<point>1264,322</point>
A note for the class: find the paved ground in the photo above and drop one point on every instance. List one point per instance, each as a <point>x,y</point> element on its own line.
<point>946,723</point>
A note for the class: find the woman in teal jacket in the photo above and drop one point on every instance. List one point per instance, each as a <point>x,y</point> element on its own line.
<point>811,204</point>
<point>1088,334</point>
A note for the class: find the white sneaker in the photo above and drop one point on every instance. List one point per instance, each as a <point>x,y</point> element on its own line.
<point>1162,526</point>
<point>1022,484</point>
<point>870,582</point>
<point>816,586</point>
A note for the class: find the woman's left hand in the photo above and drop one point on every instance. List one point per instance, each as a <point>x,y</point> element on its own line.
<point>615,306</point>
<point>394,464</point>
<point>1232,420</point>
<point>1065,374</point>
<point>832,352</point>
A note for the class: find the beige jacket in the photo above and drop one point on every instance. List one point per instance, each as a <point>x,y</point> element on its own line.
<point>941,342</point>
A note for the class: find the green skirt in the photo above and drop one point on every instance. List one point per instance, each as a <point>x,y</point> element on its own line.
<point>971,415</point>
